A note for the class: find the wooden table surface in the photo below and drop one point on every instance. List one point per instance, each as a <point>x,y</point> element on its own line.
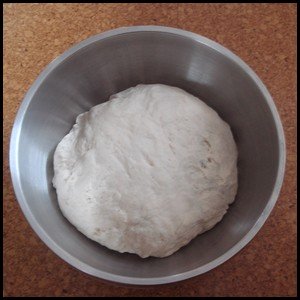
<point>263,35</point>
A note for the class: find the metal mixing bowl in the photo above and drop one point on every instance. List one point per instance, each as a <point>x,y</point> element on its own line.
<point>86,75</point>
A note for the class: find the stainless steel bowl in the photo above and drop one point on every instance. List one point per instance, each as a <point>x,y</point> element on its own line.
<point>87,74</point>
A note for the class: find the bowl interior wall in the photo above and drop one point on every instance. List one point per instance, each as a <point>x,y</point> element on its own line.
<point>103,68</point>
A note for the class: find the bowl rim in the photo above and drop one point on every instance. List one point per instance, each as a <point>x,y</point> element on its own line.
<point>15,172</point>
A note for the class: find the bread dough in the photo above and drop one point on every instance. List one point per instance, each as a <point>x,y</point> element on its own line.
<point>147,171</point>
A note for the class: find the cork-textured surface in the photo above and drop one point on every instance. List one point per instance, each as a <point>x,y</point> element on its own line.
<point>263,35</point>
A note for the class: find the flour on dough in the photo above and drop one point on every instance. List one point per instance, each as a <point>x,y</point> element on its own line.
<point>146,171</point>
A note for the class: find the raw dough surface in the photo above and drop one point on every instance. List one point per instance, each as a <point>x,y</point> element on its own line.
<point>147,171</point>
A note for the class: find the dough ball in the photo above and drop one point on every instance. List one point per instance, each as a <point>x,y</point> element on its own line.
<point>146,171</point>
